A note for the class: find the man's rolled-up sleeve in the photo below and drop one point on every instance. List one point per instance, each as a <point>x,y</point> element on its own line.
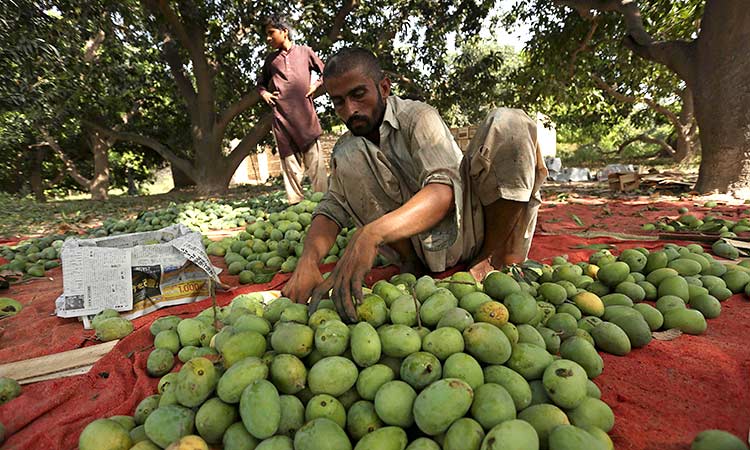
<point>438,160</point>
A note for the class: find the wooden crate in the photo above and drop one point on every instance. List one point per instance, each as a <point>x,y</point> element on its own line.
<point>623,182</point>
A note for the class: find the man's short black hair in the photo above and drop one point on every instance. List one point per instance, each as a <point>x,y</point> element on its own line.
<point>279,22</point>
<point>350,58</point>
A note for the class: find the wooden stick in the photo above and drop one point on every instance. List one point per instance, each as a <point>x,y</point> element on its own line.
<point>56,364</point>
<point>61,374</point>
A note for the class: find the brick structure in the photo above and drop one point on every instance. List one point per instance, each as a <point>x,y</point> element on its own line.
<point>269,164</point>
<point>464,135</point>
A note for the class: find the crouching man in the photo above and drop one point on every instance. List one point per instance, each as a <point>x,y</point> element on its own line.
<point>399,176</point>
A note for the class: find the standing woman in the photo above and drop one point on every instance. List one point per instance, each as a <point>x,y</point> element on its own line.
<point>284,84</point>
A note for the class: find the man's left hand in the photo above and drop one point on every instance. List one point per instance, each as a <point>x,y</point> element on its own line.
<point>348,276</point>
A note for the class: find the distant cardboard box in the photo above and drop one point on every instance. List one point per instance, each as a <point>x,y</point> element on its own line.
<point>623,182</point>
<point>135,273</point>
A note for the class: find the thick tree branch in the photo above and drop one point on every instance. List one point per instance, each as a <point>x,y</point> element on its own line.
<point>163,151</point>
<point>334,34</point>
<point>251,139</point>
<point>649,140</point>
<point>92,46</point>
<point>584,46</point>
<point>70,166</point>
<point>190,35</point>
<point>176,66</point>
<point>176,26</point>
<point>236,108</point>
<point>406,81</point>
<point>685,137</point>
<point>676,55</point>
<point>57,179</point>
<point>671,116</point>
<point>175,34</point>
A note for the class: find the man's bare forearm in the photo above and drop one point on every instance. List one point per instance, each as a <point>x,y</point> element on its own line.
<point>421,213</point>
<point>319,239</point>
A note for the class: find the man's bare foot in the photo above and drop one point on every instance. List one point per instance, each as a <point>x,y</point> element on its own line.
<point>480,268</point>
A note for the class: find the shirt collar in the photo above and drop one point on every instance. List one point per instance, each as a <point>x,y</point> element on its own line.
<point>390,115</point>
<point>286,52</point>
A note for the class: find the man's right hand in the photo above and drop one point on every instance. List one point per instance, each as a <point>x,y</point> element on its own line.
<point>304,280</point>
<point>270,97</point>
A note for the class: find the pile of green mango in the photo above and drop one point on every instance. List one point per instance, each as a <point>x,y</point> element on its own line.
<point>708,224</point>
<point>33,256</point>
<point>273,244</point>
<point>432,364</point>
<point>199,215</point>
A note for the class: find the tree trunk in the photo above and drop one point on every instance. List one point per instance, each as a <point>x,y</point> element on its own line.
<point>686,141</point>
<point>99,183</point>
<point>722,97</point>
<point>180,179</point>
<point>35,180</point>
<point>212,168</point>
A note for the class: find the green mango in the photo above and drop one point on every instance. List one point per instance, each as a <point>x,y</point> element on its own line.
<point>463,434</point>
<point>106,313</point>
<point>570,437</point>
<point>717,440</point>
<point>288,373</point>
<point>260,409</point>
<point>582,352</point>
<point>689,321</point>
<point>113,328</point>
<point>399,341</point>
<point>236,437</point>
<point>365,344</point>
<point>168,424</point>
<point>332,338</point>
<point>292,415</point>
<point>332,375</point>
<point>386,438</point>
<point>323,405</point>
<point>196,381</point>
<point>242,345</point>
<point>512,434</point>
<point>362,419</point>
<point>487,343</point>
<point>293,338</point>
<point>436,305</point>
<point>544,418</point>
<point>440,404</point>
<point>371,379</point>
<point>104,433</point>
<point>443,342</point>
<point>322,433</point>
<point>492,405</point>
<point>160,362</point>
<point>611,338</point>
<point>565,383</point>
<point>592,412</point>
<point>394,402</point>
<point>213,418</point>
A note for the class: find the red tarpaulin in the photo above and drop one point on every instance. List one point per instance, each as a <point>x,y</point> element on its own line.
<point>662,395</point>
